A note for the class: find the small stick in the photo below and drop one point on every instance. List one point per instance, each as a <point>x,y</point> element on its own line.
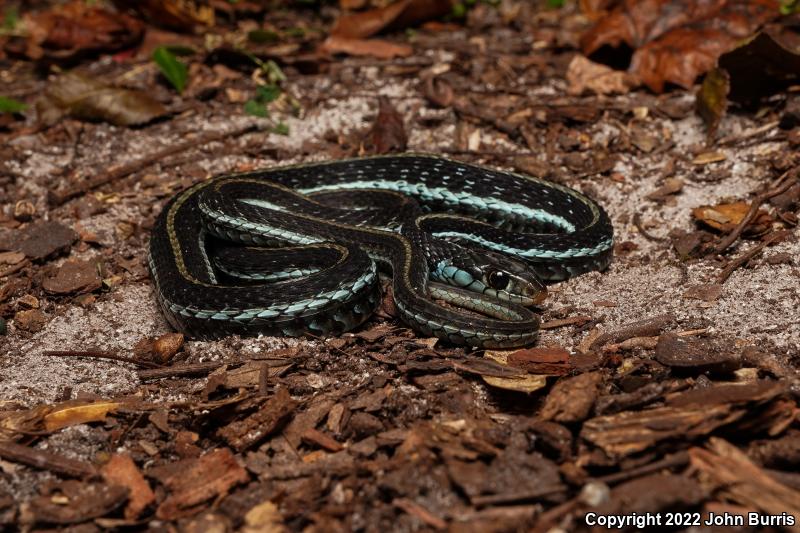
<point>420,512</point>
<point>754,207</point>
<point>561,322</point>
<point>514,497</point>
<point>678,459</point>
<point>755,132</point>
<point>637,221</point>
<point>263,379</point>
<point>116,172</point>
<point>96,354</point>
<point>14,268</point>
<point>44,460</point>
<point>747,256</point>
<point>649,327</point>
<point>198,369</point>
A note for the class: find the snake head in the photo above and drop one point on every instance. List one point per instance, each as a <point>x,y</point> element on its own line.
<point>492,274</point>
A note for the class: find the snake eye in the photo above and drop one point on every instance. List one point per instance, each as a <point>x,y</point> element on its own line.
<point>498,279</point>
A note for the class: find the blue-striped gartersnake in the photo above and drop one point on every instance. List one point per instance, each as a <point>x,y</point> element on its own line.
<point>293,250</point>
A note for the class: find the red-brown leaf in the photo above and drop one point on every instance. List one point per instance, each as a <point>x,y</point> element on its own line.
<point>395,16</point>
<point>65,31</point>
<point>677,40</point>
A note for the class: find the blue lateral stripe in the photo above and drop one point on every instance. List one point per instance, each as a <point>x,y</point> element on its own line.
<point>449,197</point>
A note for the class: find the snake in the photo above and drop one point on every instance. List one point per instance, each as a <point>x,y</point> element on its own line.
<point>301,249</point>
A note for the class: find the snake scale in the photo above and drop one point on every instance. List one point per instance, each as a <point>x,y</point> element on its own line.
<point>298,249</point>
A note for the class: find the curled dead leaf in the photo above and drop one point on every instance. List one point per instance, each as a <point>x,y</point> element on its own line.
<point>88,99</point>
<point>528,384</point>
<point>438,91</point>
<point>675,45</point>
<point>724,217</point>
<point>71,415</point>
<point>64,32</point>
<point>181,15</point>
<point>388,134</point>
<point>584,75</point>
<point>521,382</point>
<point>398,15</point>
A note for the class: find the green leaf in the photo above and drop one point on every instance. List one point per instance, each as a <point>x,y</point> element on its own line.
<point>10,19</point>
<point>263,36</point>
<point>273,71</point>
<point>256,108</point>
<point>267,93</point>
<point>555,3</point>
<point>9,105</point>
<point>790,6</point>
<point>181,49</point>
<point>281,129</point>
<point>172,69</point>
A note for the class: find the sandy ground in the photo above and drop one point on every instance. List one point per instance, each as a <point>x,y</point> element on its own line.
<point>757,305</point>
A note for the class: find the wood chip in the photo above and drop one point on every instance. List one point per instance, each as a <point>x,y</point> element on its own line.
<point>200,480</point>
<point>121,470</point>
<point>255,428</point>
<point>731,472</point>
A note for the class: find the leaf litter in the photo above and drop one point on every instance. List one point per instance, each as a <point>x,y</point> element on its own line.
<point>653,387</point>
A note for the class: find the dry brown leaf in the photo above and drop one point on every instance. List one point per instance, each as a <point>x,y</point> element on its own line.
<point>67,31</point>
<point>388,134</point>
<point>527,384</point>
<point>398,15</point>
<point>584,75</point>
<point>366,47</point>
<point>516,379</point>
<point>71,415</point>
<point>671,186</point>
<point>706,158</point>
<point>675,42</point>
<point>724,217</point>
<point>182,15</point>
<point>89,99</point>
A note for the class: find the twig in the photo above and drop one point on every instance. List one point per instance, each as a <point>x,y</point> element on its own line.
<point>649,327</point>
<point>263,379</point>
<point>646,343</point>
<point>198,369</point>
<point>53,462</point>
<point>514,497</point>
<point>755,132</point>
<point>678,459</point>
<point>637,221</point>
<point>561,322</point>
<point>747,256</point>
<point>96,354</point>
<point>418,511</point>
<point>116,172</point>
<point>14,268</point>
<point>754,207</point>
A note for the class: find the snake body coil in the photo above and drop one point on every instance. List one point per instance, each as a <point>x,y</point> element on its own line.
<point>475,237</point>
